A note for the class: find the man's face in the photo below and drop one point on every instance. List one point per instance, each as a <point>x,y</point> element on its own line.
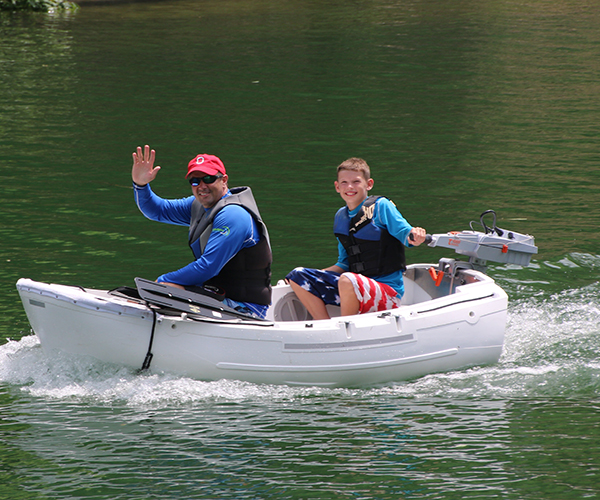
<point>209,194</point>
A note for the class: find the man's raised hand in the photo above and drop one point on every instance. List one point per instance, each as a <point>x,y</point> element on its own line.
<point>143,170</point>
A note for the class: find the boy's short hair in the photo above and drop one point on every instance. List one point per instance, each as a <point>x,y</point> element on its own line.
<point>357,165</point>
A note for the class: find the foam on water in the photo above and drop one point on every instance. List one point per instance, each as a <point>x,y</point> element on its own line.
<point>63,376</point>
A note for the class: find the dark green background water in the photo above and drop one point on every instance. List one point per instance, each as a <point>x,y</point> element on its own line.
<point>458,106</point>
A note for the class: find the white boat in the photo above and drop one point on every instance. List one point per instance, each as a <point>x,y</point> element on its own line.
<point>453,317</point>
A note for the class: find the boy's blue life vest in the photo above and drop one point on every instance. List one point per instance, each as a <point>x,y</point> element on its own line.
<point>371,251</point>
<point>247,276</point>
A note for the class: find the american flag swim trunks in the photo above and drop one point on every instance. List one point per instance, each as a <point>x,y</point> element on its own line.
<point>372,295</point>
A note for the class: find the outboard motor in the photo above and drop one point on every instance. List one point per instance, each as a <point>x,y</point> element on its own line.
<point>494,244</point>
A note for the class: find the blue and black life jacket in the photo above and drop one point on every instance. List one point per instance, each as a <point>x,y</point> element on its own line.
<point>372,251</point>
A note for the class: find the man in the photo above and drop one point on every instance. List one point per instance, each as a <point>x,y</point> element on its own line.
<point>227,236</point>
<point>372,235</point>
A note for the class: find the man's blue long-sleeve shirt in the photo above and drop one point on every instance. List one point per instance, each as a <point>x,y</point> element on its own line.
<point>233,229</point>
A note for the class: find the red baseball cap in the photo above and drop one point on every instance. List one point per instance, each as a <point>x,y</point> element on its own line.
<point>207,164</point>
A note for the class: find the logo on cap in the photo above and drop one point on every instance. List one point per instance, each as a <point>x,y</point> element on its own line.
<point>199,160</point>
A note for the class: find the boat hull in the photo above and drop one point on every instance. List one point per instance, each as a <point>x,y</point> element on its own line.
<point>462,329</point>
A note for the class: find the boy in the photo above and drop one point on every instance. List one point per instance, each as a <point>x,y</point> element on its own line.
<point>371,235</point>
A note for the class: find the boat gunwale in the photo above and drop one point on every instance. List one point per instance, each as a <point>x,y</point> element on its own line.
<point>102,300</point>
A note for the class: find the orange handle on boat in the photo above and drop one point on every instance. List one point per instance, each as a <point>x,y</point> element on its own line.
<point>436,276</point>
<point>440,277</point>
<point>433,273</point>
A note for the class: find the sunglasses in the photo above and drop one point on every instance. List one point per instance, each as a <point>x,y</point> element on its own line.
<point>207,179</point>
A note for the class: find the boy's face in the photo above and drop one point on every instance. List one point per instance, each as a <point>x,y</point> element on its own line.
<point>353,187</point>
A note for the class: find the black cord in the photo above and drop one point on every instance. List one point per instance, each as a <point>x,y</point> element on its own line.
<point>149,355</point>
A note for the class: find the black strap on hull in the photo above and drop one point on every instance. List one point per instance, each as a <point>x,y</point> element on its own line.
<point>194,303</point>
<point>149,355</point>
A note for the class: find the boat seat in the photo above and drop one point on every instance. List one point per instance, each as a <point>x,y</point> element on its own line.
<point>289,308</point>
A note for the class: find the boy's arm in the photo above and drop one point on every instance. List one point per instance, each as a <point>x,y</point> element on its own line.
<point>389,218</point>
<point>341,266</point>
<point>335,269</point>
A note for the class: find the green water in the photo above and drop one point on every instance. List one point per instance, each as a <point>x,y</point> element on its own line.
<point>457,106</point>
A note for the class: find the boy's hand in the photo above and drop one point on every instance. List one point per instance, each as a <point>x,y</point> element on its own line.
<point>417,236</point>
